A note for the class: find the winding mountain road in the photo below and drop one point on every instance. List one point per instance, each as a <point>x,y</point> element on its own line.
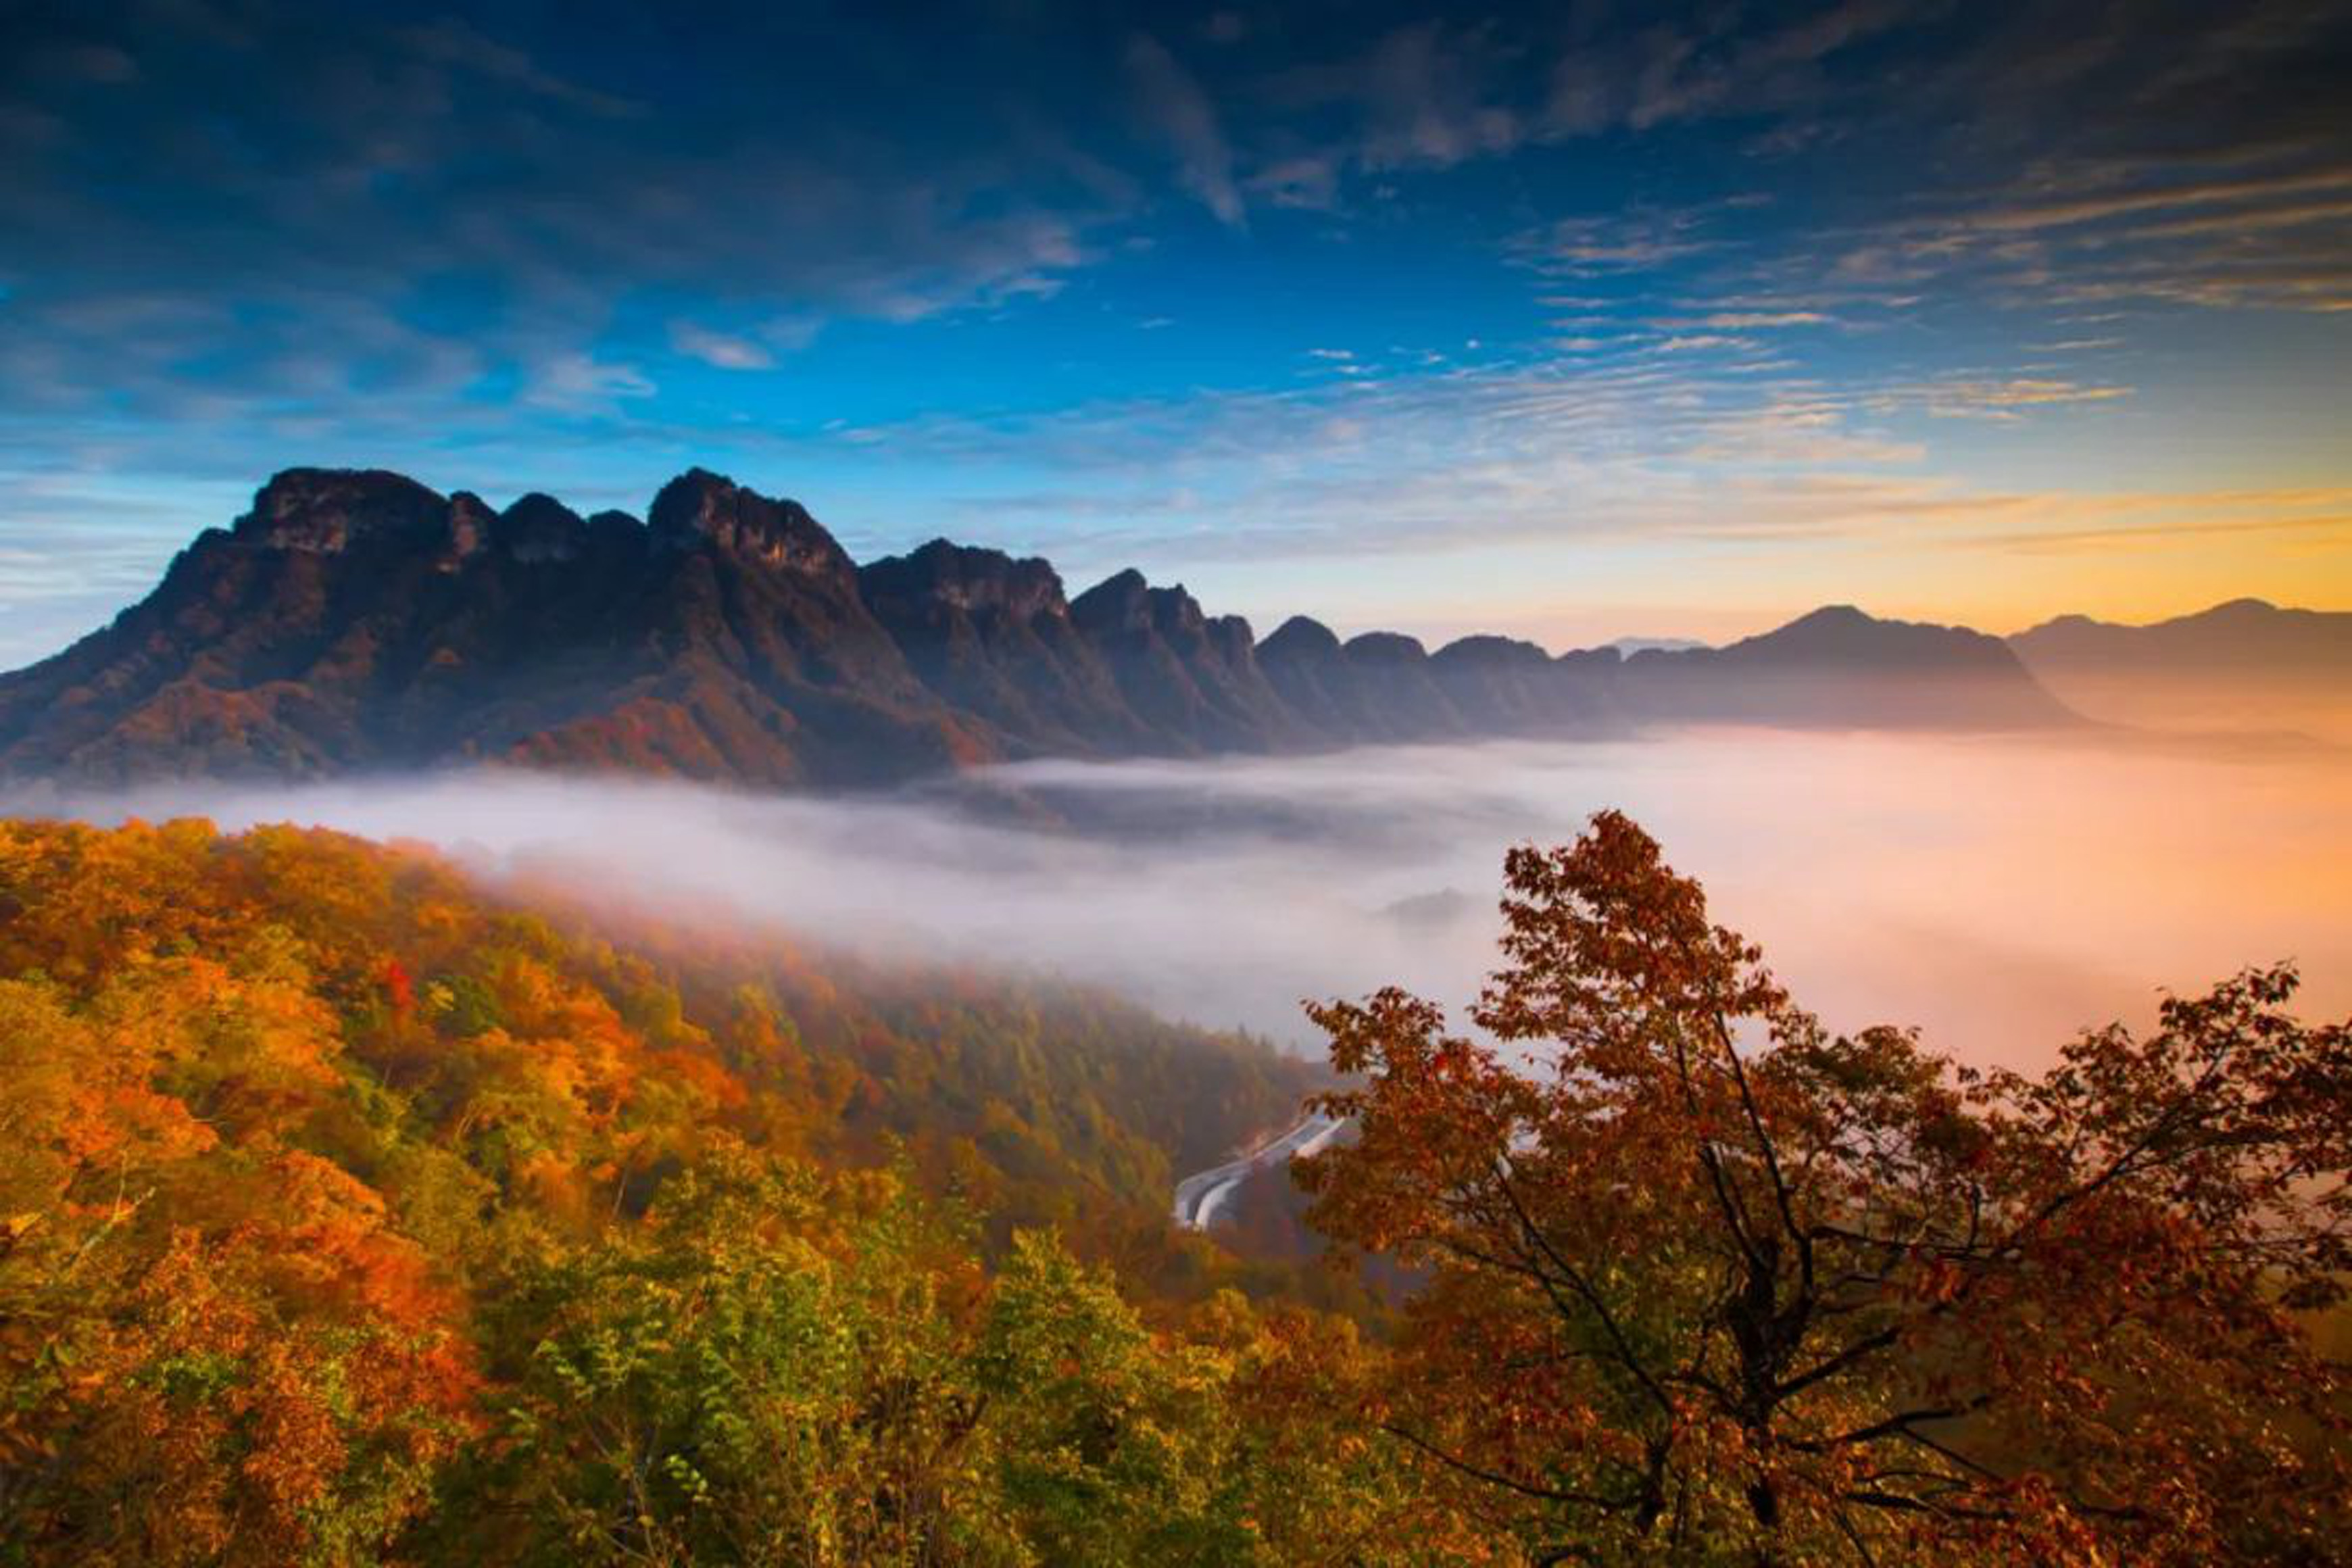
<point>1199,1196</point>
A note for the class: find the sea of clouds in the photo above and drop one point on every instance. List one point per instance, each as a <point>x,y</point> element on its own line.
<point>2000,893</point>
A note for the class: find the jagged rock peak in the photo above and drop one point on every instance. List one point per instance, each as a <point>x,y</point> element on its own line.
<point>1390,647</point>
<point>1840,635</point>
<point>1489,652</point>
<point>1125,603</point>
<point>325,510</point>
<point>470,523</point>
<point>969,576</point>
<point>1175,610</point>
<point>701,506</point>
<point>1120,602</point>
<point>1232,638</point>
<point>539,528</point>
<point>1839,628</point>
<point>1300,636</point>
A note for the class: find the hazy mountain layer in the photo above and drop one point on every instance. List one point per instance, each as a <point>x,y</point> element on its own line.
<point>2244,635</point>
<point>2242,667</point>
<point>354,621</point>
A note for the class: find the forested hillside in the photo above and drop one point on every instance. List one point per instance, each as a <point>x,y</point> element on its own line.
<point>349,1213</point>
<point>352,1214</point>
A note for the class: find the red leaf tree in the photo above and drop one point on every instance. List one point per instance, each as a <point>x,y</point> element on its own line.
<point>1708,1283</point>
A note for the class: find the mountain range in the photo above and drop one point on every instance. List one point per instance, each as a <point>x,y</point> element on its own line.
<point>2248,635</point>
<point>2246,672</point>
<point>356,621</point>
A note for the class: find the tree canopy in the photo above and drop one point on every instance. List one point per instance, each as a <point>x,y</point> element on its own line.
<point>353,1213</point>
<point>350,1213</point>
<point>1709,1283</point>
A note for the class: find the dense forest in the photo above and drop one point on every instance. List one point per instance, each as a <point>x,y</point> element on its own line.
<point>349,1213</point>
<point>353,1212</point>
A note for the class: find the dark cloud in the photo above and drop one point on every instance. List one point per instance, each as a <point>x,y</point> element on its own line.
<point>252,179</point>
<point>256,177</point>
<point>2153,152</point>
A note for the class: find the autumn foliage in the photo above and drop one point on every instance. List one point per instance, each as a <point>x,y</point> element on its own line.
<point>1707,1283</point>
<point>352,1212</point>
<point>349,1213</point>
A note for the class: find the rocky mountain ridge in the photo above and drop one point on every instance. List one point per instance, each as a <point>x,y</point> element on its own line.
<point>356,621</point>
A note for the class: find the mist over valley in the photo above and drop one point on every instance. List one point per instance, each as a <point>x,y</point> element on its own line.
<point>2001,892</point>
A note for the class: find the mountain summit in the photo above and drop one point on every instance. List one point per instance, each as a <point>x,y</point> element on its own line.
<point>354,620</point>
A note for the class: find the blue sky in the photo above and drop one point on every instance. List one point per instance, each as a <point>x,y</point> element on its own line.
<point>1575,321</point>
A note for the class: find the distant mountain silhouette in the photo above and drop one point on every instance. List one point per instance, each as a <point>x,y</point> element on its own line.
<point>355,621</point>
<point>1840,667</point>
<point>2242,636</point>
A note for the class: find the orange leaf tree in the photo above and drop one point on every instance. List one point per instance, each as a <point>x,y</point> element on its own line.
<point>1707,1283</point>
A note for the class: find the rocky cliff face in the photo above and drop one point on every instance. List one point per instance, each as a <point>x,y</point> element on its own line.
<point>995,636</point>
<point>357,621</point>
<point>1192,680</point>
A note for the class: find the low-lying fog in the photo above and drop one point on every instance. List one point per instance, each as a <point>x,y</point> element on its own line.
<point>1998,892</point>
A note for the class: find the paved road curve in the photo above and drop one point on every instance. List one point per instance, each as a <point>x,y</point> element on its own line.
<point>1199,1197</point>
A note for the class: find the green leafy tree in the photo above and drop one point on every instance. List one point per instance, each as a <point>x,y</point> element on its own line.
<point>770,1373</point>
